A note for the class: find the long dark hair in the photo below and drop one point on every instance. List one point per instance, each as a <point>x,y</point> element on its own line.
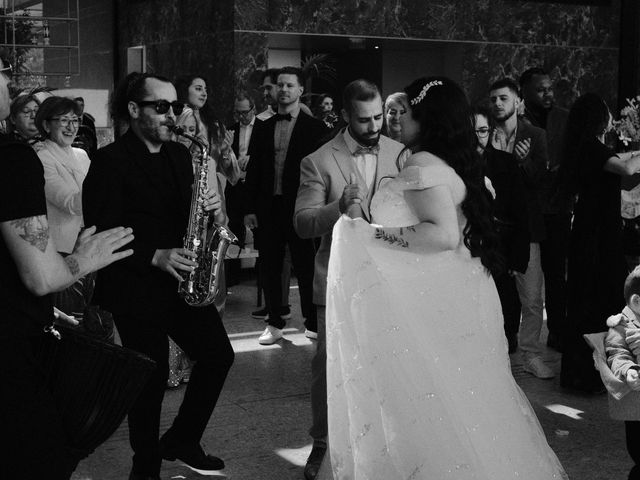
<point>215,127</point>
<point>447,130</point>
<point>588,118</point>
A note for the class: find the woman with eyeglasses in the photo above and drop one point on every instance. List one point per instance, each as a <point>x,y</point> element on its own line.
<point>65,168</point>
<point>22,126</point>
<point>511,218</point>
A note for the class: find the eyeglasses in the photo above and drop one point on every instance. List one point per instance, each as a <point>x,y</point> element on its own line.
<point>243,113</point>
<point>482,131</point>
<point>163,106</point>
<point>29,113</point>
<point>64,121</point>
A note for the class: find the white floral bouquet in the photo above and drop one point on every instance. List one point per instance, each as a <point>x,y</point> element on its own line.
<point>628,127</point>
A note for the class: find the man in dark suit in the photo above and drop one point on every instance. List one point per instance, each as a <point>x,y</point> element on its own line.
<point>277,148</point>
<point>144,180</point>
<point>529,146</point>
<point>557,206</point>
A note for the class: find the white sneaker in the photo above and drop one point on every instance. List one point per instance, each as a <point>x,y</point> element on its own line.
<point>270,335</point>
<point>309,334</point>
<point>537,367</point>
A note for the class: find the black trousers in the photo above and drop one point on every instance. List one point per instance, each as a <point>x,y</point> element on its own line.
<point>510,300</point>
<point>632,432</point>
<point>554,250</point>
<point>33,437</point>
<point>201,334</point>
<point>276,232</point>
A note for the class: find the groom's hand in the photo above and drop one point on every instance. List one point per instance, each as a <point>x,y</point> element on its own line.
<point>352,196</point>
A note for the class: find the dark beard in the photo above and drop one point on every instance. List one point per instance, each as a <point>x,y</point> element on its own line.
<point>366,142</point>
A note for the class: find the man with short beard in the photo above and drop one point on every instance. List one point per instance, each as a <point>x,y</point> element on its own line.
<point>269,94</point>
<point>529,146</point>
<point>340,177</point>
<point>277,147</point>
<point>145,180</point>
<point>557,207</point>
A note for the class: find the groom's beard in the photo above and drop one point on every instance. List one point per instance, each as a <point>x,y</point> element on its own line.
<point>368,140</point>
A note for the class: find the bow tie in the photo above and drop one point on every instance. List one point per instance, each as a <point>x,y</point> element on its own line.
<point>373,150</point>
<point>283,116</point>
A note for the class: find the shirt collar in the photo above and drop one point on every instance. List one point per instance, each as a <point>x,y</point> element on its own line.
<point>295,112</point>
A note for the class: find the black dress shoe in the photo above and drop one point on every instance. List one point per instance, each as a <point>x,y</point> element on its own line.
<point>314,461</point>
<point>193,456</point>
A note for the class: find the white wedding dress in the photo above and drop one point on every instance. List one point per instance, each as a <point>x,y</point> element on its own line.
<point>418,375</point>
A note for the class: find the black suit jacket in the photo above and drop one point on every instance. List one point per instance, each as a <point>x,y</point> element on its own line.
<point>510,207</point>
<point>121,190</point>
<point>305,139</point>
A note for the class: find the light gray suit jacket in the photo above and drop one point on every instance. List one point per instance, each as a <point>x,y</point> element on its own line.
<point>323,176</point>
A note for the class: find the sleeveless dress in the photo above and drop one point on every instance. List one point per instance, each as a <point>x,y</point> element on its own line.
<point>418,375</point>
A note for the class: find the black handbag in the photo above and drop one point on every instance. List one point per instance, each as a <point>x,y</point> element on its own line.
<point>93,383</point>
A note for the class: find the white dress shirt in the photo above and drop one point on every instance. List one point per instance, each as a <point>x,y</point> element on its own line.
<point>366,164</point>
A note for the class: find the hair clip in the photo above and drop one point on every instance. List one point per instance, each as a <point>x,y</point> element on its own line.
<point>425,89</point>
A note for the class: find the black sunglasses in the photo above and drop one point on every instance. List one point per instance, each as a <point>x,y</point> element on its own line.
<point>163,106</point>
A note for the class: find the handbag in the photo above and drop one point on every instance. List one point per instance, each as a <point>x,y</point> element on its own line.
<point>93,383</point>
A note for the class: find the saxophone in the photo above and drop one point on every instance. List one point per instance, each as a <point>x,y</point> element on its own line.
<point>208,240</point>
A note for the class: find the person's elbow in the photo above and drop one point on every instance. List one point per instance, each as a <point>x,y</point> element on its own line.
<point>37,284</point>
<point>449,238</point>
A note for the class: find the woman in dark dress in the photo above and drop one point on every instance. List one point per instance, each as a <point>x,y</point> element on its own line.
<point>596,269</point>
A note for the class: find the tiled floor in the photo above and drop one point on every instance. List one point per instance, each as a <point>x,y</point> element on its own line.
<point>260,424</point>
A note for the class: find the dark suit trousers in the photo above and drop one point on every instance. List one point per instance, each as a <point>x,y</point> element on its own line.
<point>201,334</point>
<point>554,250</point>
<point>510,300</point>
<point>276,232</point>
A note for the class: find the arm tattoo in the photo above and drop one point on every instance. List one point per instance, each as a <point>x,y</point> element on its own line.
<point>72,263</point>
<point>33,230</point>
<point>391,238</point>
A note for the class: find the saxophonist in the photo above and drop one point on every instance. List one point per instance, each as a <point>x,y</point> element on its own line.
<point>143,180</point>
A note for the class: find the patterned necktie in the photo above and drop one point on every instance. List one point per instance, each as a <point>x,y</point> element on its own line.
<point>372,150</point>
<point>283,116</point>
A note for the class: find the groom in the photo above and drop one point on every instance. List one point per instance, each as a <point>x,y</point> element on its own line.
<point>340,177</point>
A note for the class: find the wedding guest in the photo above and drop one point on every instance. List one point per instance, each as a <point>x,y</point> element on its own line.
<point>22,126</point>
<point>541,111</point>
<point>65,168</point>
<point>597,269</point>
<point>528,144</point>
<point>395,106</point>
<point>277,147</point>
<point>36,443</point>
<point>512,221</point>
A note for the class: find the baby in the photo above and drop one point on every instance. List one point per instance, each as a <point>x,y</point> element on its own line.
<point>622,345</point>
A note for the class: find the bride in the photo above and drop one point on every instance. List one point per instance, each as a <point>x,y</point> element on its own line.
<point>418,375</point>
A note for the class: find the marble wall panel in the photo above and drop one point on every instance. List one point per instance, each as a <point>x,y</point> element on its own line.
<point>183,37</point>
<point>578,44</point>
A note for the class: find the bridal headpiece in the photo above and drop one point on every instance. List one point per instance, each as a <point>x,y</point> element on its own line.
<point>423,92</point>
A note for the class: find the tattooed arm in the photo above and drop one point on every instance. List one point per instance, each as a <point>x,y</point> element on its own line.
<point>438,228</point>
<point>42,269</point>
